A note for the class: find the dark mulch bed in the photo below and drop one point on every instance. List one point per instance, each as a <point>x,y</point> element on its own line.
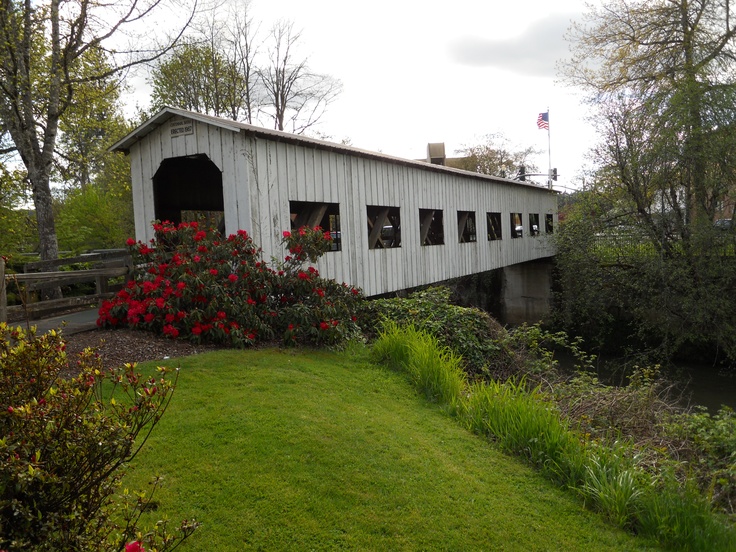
<point>116,347</point>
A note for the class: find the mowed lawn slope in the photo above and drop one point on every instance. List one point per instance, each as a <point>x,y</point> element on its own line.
<point>312,450</point>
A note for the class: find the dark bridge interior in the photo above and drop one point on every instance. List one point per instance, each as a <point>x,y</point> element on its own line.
<point>184,186</point>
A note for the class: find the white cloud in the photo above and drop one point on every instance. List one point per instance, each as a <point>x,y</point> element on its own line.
<point>534,52</point>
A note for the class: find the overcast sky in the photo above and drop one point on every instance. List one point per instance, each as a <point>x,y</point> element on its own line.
<point>417,72</point>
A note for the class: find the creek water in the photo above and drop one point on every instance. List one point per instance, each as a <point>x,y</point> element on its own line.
<point>707,385</point>
<point>697,385</point>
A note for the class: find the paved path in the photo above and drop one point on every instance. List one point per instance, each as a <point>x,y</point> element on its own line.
<point>71,323</point>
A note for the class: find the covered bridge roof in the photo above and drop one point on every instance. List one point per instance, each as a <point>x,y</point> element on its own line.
<point>167,113</point>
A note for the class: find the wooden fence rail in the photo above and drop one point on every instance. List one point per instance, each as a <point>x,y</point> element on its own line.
<point>105,265</point>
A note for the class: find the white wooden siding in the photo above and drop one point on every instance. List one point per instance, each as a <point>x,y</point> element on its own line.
<point>261,174</point>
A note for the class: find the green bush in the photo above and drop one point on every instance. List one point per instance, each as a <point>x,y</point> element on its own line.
<point>710,452</point>
<point>64,444</point>
<point>198,285</point>
<point>468,332</point>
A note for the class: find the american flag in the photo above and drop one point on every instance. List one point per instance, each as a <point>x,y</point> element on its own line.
<point>543,120</point>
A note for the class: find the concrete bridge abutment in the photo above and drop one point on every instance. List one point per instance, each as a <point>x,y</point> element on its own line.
<point>516,294</point>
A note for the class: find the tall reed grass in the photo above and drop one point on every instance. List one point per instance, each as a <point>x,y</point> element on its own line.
<point>435,370</point>
<point>523,421</point>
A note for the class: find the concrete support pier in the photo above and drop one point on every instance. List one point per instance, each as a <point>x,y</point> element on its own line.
<point>526,292</point>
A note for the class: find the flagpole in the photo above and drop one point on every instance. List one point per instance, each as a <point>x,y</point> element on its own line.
<point>549,153</point>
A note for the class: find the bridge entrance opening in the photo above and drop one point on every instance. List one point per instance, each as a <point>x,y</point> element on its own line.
<point>189,188</point>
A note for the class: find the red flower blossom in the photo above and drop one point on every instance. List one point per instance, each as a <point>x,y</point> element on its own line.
<point>134,546</point>
<point>170,318</point>
<point>233,278</point>
<point>149,317</point>
<point>287,234</point>
<point>130,242</point>
<point>324,326</point>
<point>171,330</point>
<point>196,258</point>
<point>199,236</point>
<point>303,276</point>
<point>213,271</point>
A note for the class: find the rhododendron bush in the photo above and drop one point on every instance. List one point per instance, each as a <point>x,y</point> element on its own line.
<point>195,284</point>
<point>64,444</point>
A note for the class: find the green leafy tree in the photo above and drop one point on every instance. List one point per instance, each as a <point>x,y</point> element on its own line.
<point>199,78</point>
<point>495,156</point>
<point>91,124</point>
<point>17,228</point>
<point>41,52</point>
<point>660,79</point>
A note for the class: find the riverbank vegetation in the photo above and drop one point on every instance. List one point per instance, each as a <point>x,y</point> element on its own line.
<point>635,487</point>
<point>646,251</point>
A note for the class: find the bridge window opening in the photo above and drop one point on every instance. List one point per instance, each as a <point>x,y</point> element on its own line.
<point>517,228</point>
<point>431,227</point>
<point>534,224</point>
<point>384,227</point>
<point>493,221</point>
<point>549,223</point>
<point>466,226</point>
<point>324,215</point>
<point>187,189</point>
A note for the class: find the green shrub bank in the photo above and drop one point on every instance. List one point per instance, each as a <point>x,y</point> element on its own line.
<point>526,421</point>
<point>470,333</point>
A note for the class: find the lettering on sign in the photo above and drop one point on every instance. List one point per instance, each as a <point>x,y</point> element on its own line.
<point>182,127</point>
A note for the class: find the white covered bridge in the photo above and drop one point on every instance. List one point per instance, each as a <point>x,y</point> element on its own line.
<point>397,223</point>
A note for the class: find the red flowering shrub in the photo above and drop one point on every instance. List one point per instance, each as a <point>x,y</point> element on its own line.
<point>64,444</point>
<point>195,284</point>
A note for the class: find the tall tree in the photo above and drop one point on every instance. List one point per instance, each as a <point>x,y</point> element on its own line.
<point>214,70</point>
<point>91,123</point>
<point>660,77</point>
<point>42,45</point>
<point>225,69</point>
<point>197,77</point>
<point>296,97</point>
<point>660,73</point>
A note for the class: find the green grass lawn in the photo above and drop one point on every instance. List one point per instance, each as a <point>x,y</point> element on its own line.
<point>305,450</point>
